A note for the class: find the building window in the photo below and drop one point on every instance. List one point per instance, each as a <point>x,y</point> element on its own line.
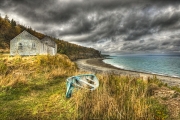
<point>33,46</point>
<point>20,47</point>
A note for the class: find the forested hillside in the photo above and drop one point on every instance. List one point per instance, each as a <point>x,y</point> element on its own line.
<point>75,51</point>
<point>9,29</point>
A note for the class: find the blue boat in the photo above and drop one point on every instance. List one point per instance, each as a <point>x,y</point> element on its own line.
<point>85,81</point>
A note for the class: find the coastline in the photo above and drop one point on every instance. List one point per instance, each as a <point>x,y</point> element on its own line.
<point>98,66</point>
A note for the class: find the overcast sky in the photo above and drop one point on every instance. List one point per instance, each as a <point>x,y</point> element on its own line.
<point>121,26</point>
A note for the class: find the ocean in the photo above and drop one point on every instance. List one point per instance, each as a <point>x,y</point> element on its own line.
<point>168,65</point>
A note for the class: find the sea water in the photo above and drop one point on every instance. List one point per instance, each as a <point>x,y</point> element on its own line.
<point>168,65</point>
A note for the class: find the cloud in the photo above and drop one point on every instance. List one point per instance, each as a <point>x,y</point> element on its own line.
<point>111,26</point>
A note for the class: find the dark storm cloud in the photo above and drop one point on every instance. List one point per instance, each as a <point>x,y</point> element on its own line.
<point>107,25</point>
<point>79,26</point>
<point>141,41</point>
<point>165,43</point>
<point>177,43</point>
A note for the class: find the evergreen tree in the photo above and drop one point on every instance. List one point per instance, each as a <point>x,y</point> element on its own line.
<point>13,23</point>
<point>7,18</point>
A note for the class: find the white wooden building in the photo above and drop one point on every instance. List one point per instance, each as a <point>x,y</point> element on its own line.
<point>27,44</point>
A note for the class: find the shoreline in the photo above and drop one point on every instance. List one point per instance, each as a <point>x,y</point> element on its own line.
<point>99,62</point>
<point>98,66</point>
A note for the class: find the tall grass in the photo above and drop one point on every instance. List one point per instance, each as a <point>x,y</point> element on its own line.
<point>19,69</point>
<point>34,88</point>
<point>118,97</point>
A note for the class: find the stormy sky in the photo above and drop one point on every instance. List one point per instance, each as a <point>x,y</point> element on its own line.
<point>111,26</point>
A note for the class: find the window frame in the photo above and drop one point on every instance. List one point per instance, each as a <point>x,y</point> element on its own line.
<point>33,46</point>
<point>20,46</point>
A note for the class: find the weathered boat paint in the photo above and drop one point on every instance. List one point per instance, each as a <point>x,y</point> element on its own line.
<point>85,81</point>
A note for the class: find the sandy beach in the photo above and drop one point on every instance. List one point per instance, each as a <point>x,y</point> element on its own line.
<point>98,66</point>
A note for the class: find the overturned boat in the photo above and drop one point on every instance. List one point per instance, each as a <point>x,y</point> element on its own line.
<point>85,81</point>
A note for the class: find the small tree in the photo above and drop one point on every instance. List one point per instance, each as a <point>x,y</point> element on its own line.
<point>7,18</point>
<point>13,23</point>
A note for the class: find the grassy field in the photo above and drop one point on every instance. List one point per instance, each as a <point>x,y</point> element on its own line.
<point>34,88</point>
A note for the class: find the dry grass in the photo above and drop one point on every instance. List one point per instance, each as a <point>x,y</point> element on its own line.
<point>34,88</point>
<point>19,69</point>
<point>117,98</point>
